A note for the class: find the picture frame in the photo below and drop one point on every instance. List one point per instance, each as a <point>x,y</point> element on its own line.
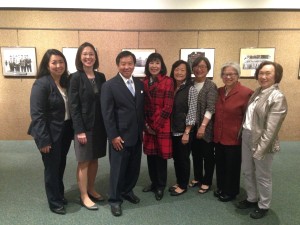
<point>190,54</point>
<point>141,56</point>
<point>19,61</point>
<point>250,58</point>
<point>70,55</point>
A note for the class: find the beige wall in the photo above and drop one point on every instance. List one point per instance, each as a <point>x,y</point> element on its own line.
<point>167,32</point>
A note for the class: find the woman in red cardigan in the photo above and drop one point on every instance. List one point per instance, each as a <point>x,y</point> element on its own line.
<point>230,109</point>
<point>159,95</point>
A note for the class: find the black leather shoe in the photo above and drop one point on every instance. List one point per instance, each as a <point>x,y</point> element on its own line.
<point>159,194</point>
<point>93,207</point>
<point>174,193</point>
<point>65,201</point>
<point>245,204</point>
<point>258,213</point>
<point>131,198</point>
<point>217,193</point>
<point>116,210</point>
<point>61,210</point>
<point>148,188</point>
<point>226,198</point>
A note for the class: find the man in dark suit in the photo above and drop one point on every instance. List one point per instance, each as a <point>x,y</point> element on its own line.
<point>122,99</point>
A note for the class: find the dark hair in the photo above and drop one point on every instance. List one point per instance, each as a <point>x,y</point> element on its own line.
<point>153,57</point>
<point>200,59</point>
<point>125,54</point>
<point>188,71</point>
<point>278,70</point>
<point>44,66</point>
<point>78,63</point>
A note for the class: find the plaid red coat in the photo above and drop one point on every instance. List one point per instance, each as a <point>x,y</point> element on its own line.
<point>158,107</point>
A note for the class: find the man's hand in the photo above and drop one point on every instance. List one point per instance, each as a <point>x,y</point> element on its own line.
<point>117,143</point>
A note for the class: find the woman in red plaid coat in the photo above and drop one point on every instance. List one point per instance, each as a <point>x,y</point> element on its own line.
<point>159,96</point>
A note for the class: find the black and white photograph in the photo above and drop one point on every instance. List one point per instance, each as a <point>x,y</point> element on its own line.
<point>141,58</point>
<point>190,54</point>
<point>251,58</point>
<point>18,61</point>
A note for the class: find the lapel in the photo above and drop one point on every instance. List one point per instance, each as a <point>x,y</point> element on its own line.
<point>86,83</point>
<point>53,87</point>
<point>124,89</point>
<point>98,81</point>
<point>139,90</point>
<point>233,91</point>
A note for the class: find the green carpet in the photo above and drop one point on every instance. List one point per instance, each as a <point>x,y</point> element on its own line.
<point>23,199</point>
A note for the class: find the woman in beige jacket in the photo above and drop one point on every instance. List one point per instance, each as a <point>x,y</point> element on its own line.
<point>265,113</point>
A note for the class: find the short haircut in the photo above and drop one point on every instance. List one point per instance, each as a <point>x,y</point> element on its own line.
<point>278,70</point>
<point>125,54</point>
<point>233,65</point>
<point>200,59</point>
<point>188,71</point>
<point>153,57</point>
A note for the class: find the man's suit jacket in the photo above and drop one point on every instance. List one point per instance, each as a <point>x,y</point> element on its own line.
<point>47,110</point>
<point>123,113</point>
<point>82,100</point>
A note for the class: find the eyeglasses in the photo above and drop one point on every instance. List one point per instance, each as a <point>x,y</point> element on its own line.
<point>229,74</point>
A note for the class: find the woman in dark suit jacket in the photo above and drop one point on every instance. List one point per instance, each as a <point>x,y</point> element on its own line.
<point>51,126</point>
<point>90,135</point>
<point>202,145</point>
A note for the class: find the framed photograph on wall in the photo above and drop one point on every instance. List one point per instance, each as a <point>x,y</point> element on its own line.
<point>190,54</point>
<point>70,54</point>
<point>141,58</point>
<point>250,58</point>
<point>18,61</point>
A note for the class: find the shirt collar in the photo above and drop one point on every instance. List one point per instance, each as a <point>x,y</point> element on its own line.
<point>125,79</point>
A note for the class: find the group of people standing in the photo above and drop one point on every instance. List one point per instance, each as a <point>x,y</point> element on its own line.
<point>168,116</point>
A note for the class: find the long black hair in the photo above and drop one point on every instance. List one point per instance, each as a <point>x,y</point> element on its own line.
<point>43,69</point>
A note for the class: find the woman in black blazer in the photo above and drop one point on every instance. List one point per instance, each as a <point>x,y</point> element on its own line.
<point>51,126</point>
<point>90,135</point>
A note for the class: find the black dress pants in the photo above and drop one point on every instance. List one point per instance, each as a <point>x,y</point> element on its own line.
<point>124,171</point>
<point>203,161</point>
<point>55,164</point>
<point>228,168</point>
<point>182,163</point>
<point>157,168</point>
